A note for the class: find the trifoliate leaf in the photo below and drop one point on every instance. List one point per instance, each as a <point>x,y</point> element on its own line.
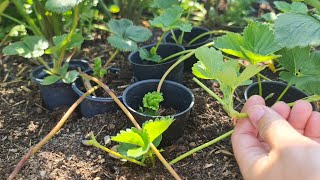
<point>297,30</point>
<point>125,35</point>
<point>50,80</point>
<point>129,137</point>
<point>257,44</point>
<point>157,127</point>
<point>171,19</point>
<point>164,4</point>
<point>152,100</point>
<point>61,6</point>
<point>29,47</point>
<point>70,76</point>
<point>295,7</point>
<point>301,68</point>
<point>146,55</point>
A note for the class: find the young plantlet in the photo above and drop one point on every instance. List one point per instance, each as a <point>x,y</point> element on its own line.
<point>169,20</point>
<point>258,44</point>
<point>135,143</point>
<point>212,66</point>
<point>36,46</point>
<point>151,103</point>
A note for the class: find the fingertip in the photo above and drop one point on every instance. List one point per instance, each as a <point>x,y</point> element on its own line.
<point>253,100</point>
<point>299,115</point>
<point>282,108</point>
<point>312,129</point>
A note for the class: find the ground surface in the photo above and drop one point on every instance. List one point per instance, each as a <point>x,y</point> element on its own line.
<point>24,122</point>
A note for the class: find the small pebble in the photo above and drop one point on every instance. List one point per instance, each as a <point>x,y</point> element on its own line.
<point>42,173</point>
<point>88,153</point>
<point>13,150</point>
<point>99,157</point>
<point>192,144</point>
<point>102,161</point>
<point>39,110</point>
<point>112,126</point>
<point>11,101</point>
<point>107,140</point>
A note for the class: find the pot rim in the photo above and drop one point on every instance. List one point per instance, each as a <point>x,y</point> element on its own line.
<point>192,45</point>
<point>270,82</point>
<point>38,80</point>
<point>157,81</point>
<point>156,64</point>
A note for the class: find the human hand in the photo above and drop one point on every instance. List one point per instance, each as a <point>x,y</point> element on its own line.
<point>278,142</point>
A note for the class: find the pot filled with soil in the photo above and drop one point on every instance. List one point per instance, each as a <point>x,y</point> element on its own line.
<point>178,101</point>
<point>268,87</point>
<point>58,94</point>
<point>143,69</point>
<point>100,102</point>
<point>187,37</point>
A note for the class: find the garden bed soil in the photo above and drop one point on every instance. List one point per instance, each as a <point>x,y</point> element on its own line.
<point>24,122</point>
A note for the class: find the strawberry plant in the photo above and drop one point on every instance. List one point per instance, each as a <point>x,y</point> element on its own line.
<point>36,46</point>
<point>151,103</point>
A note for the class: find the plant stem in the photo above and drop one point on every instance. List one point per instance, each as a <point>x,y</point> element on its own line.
<point>159,42</point>
<point>174,36</point>
<point>314,3</point>
<point>264,77</point>
<point>259,84</point>
<point>183,58</point>
<point>151,158</point>
<point>44,63</point>
<point>26,16</point>
<point>172,67</point>
<point>66,41</point>
<point>15,20</point>
<point>134,122</point>
<point>214,95</point>
<point>175,55</point>
<point>50,135</point>
<point>314,98</point>
<point>97,145</point>
<point>207,33</point>
<point>205,145</point>
<point>283,92</point>
<point>111,58</point>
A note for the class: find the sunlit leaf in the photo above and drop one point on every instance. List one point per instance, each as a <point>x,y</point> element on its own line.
<point>157,127</point>
<point>50,80</point>
<point>61,6</point>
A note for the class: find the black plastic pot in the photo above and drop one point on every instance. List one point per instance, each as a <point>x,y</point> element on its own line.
<point>92,105</point>
<point>176,96</point>
<point>293,94</point>
<point>58,94</point>
<point>188,36</point>
<point>143,69</point>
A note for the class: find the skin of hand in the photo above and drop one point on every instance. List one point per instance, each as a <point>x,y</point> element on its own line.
<point>278,143</point>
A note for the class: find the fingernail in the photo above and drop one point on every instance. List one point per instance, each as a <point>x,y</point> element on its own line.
<point>255,114</point>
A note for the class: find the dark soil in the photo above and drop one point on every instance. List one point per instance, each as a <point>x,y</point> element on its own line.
<point>24,122</point>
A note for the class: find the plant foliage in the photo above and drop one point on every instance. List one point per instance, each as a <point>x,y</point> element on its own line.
<point>135,143</point>
<point>164,4</point>
<point>125,35</point>
<point>66,76</point>
<point>302,68</point>
<point>151,103</point>
<point>295,7</point>
<point>98,70</point>
<point>61,6</point>
<point>257,44</point>
<point>212,66</point>
<point>293,29</point>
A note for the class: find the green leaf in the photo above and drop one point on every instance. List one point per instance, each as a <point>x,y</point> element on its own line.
<point>64,69</point>
<point>98,70</point>
<point>171,19</point>
<point>125,35</point>
<point>129,137</point>
<point>164,4</point>
<point>18,30</point>
<point>152,100</point>
<point>60,6</point>
<point>157,127</point>
<point>295,7</point>
<point>50,80</point>
<point>231,44</point>
<point>70,76</point>
<point>146,55</point>
<point>301,68</point>
<point>297,30</point>
<point>76,40</point>
<point>157,141</point>
<point>257,44</point>
<point>137,152</point>
<point>29,47</point>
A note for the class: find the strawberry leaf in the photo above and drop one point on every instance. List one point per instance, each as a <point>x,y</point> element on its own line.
<point>129,137</point>
<point>76,40</point>
<point>149,56</point>
<point>59,6</point>
<point>50,80</point>
<point>297,30</point>
<point>70,76</point>
<point>152,100</point>
<point>164,4</point>
<point>157,127</point>
<point>301,68</point>
<point>296,7</point>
